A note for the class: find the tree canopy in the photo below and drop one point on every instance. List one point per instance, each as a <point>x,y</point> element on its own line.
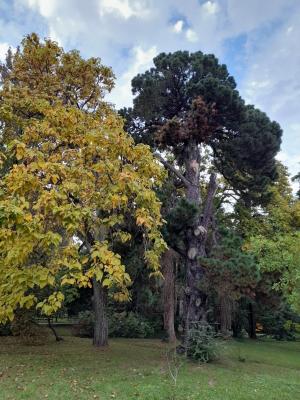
<point>192,96</point>
<point>71,179</point>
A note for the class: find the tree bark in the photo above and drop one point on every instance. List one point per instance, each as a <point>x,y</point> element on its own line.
<point>225,315</point>
<point>101,323</point>
<point>195,299</point>
<point>168,261</point>
<point>252,322</point>
<point>51,327</point>
<point>194,308</point>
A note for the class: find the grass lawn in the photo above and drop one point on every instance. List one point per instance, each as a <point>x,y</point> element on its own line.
<point>137,369</point>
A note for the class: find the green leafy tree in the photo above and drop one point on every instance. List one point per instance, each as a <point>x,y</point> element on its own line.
<point>281,254</point>
<point>273,236</point>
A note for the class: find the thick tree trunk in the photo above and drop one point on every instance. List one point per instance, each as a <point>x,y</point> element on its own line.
<point>101,323</point>
<point>252,322</point>
<point>168,261</point>
<point>195,299</point>
<point>225,315</point>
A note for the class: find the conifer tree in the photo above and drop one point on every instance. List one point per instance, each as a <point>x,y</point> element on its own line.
<point>184,104</point>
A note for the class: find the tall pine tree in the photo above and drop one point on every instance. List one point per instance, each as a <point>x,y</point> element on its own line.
<point>186,102</point>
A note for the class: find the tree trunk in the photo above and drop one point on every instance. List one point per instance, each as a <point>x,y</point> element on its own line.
<point>195,299</point>
<point>252,322</point>
<point>168,261</point>
<point>236,320</point>
<point>101,322</point>
<point>225,315</point>
<point>51,327</point>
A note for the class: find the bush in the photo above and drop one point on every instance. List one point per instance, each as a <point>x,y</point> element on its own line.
<point>28,332</point>
<point>85,325</point>
<point>5,330</point>
<point>130,325</point>
<point>202,343</point>
<point>278,323</point>
<point>127,325</point>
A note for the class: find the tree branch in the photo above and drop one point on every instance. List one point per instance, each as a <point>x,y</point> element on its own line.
<point>171,168</point>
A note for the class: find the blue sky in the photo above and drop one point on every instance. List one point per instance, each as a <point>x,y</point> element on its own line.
<point>259,40</point>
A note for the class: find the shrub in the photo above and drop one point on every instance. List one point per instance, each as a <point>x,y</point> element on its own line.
<point>128,325</point>
<point>202,344</point>
<point>85,325</point>
<point>28,332</point>
<point>277,323</point>
<point>5,330</point>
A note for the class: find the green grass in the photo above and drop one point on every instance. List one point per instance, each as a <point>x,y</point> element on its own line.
<point>137,369</point>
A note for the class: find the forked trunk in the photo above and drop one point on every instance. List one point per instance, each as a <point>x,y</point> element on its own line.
<point>101,323</point>
<point>195,299</point>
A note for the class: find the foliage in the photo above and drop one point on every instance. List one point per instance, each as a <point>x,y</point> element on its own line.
<point>281,254</point>
<point>130,325</point>
<point>28,331</point>
<point>230,270</point>
<point>70,178</point>
<point>187,106</point>
<point>202,345</point>
<point>121,324</point>
<point>190,97</point>
<point>277,322</point>
<point>85,325</point>
<point>5,329</point>
<point>271,234</point>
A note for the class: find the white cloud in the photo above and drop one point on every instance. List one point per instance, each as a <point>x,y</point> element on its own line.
<point>191,35</point>
<point>141,60</point>
<point>124,8</point>
<point>293,164</point>
<point>272,83</point>
<point>178,26</point>
<point>3,50</point>
<point>45,7</point>
<point>269,63</point>
<point>53,34</point>
<point>210,7</point>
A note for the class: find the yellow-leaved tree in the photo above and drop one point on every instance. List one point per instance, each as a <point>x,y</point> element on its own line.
<point>71,179</point>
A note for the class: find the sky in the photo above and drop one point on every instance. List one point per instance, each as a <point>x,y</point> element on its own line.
<point>259,40</point>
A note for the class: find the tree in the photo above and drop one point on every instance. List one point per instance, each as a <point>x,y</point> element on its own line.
<point>276,241</point>
<point>281,254</point>
<point>70,179</point>
<point>168,263</point>
<point>184,104</point>
<point>231,273</point>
